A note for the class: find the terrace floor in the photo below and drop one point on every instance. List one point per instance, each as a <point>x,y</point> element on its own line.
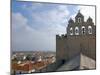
<point>77,63</point>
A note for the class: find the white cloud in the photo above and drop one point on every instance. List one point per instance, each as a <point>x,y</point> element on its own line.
<point>51,22</point>
<point>54,20</point>
<point>26,38</point>
<point>18,20</point>
<point>73,16</point>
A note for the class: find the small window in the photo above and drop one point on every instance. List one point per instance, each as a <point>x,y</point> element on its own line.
<point>79,20</point>
<point>83,29</point>
<point>71,31</point>
<point>76,31</point>
<point>89,29</point>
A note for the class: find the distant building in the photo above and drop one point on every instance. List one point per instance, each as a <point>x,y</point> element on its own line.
<point>24,67</point>
<point>40,58</point>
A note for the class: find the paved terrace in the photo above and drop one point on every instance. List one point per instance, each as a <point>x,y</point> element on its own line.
<point>78,62</point>
<point>71,64</point>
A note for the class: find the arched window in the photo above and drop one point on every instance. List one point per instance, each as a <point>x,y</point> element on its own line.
<point>83,29</point>
<point>76,31</point>
<point>89,29</point>
<point>79,20</point>
<point>71,31</point>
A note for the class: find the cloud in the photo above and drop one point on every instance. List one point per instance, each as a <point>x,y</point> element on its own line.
<point>41,33</point>
<point>54,20</point>
<point>26,38</point>
<point>18,21</point>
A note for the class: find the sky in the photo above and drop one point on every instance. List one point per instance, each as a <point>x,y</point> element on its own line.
<point>35,25</point>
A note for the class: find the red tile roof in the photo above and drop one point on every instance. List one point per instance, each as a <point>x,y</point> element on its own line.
<point>26,66</point>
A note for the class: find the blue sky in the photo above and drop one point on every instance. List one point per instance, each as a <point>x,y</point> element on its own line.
<point>35,25</point>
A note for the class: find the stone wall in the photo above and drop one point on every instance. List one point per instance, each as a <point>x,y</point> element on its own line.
<point>69,46</point>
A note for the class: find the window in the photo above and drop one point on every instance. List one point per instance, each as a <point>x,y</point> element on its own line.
<point>71,31</point>
<point>76,31</point>
<point>83,29</point>
<point>79,20</point>
<point>89,29</point>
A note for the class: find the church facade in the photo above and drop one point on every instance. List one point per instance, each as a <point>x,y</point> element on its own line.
<point>80,38</point>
